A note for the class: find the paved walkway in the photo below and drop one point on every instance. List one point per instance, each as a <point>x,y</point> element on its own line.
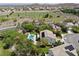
<point>5,28</point>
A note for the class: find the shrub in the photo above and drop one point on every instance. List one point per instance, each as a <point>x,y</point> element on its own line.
<point>46,15</point>
<point>57,43</point>
<point>13,54</point>
<point>6,46</point>
<point>28,26</point>
<point>75,29</point>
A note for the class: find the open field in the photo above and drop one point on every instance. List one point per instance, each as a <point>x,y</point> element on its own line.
<point>55,16</point>
<point>34,15</point>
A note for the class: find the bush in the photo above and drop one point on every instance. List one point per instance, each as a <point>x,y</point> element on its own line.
<point>1,37</point>
<point>58,33</point>
<point>64,29</point>
<point>57,43</point>
<point>42,43</point>
<point>46,15</point>
<point>6,46</point>
<point>4,19</point>
<point>71,11</point>
<point>77,52</point>
<point>13,54</point>
<point>75,29</point>
<point>28,26</point>
<point>15,20</point>
<point>68,20</point>
<point>26,48</point>
<point>44,27</point>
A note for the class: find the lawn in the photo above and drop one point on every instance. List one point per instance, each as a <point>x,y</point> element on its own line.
<point>45,50</point>
<point>10,38</point>
<point>4,52</point>
<point>34,15</point>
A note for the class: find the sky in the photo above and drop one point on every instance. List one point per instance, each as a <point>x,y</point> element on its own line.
<point>39,1</point>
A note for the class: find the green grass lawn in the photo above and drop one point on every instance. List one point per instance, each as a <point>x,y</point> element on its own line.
<point>45,50</point>
<point>4,52</point>
<point>12,34</point>
<point>34,15</point>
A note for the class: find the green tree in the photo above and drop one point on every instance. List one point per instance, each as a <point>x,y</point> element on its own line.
<point>44,26</point>
<point>71,11</point>
<point>64,29</point>
<point>58,33</point>
<point>11,37</point>
<point>75,29</point>
<point>46,15</point>
<point>25,48</point>
<point>28,26</point>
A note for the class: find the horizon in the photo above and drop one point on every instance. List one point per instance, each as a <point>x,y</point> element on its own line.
<point>34,3</point>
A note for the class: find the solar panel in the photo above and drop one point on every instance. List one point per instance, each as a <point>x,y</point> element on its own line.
<point>70,47</point>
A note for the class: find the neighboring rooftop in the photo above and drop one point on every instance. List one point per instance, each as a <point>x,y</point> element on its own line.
<point>69,37</point>
<point>61,51</point>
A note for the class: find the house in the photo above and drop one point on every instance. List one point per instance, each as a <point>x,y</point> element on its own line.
<point>37,22</point>
<point>41,8</point>
<point>72,39</point>
<point>29,8</point>
<point>48,35</point>
<point>78,22</point>
<point>62,50</point>
<point>48,8</point>
<point>69,31</point>
<point>69,24</point>
<point>55,27</point>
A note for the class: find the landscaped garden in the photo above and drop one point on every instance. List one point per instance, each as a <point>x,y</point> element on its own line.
<point>22,46</point>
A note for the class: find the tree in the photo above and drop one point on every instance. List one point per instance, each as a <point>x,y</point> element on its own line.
<point>25,48</point>
<point>28,26</point>
<point>64,29</point>
<point>13,54</point>
<point>46,15</point>
<point>44,26</point>
<point>71,11</point>
<point>6,46</point>
<point>75,29</point>
<point>1,37</point>
<point>7,15</point>
<point>11,37</point>
<point>58,33</point>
